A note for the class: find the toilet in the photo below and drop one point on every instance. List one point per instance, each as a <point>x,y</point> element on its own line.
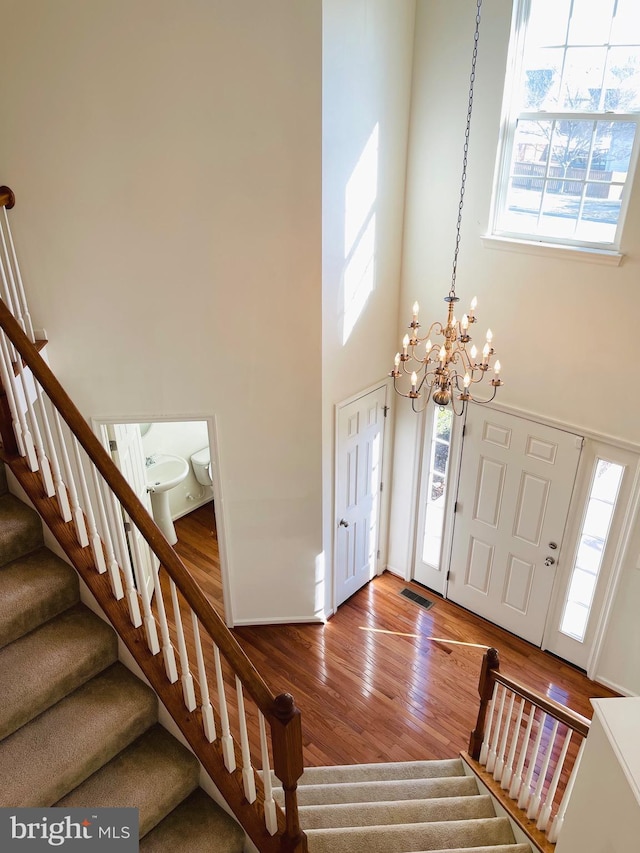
<point>201,464</point>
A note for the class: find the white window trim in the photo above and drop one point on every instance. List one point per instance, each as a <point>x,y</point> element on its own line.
<point>585,254</point>
<point>593,252</point>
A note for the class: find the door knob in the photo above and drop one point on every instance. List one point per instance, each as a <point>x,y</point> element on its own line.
<point>553,546</point>
<point>549,561</point>
<point>343,523</point>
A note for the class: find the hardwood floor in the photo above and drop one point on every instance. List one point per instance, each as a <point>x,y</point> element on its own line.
<point>384,679</point>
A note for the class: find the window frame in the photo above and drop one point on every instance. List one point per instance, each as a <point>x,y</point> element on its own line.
<point>510,115</point>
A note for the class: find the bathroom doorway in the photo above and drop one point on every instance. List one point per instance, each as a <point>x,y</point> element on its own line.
<point>178,461</point>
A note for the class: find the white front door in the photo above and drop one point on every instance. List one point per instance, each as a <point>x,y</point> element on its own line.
<point>359,441</point>
<point>127,451</point>
<point>516,482</point>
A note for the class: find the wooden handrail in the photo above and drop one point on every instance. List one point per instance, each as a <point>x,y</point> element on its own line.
<point>569,717</point>
<point>211,621</point>
<point>490,675</point>
<point>7,198</point>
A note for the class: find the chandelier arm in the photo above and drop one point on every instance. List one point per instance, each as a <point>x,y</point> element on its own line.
<point>453,406</point>
<point>484,402</point>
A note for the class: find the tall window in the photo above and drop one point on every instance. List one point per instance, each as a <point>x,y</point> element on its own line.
<point>570,139</point>
<point>437,488</point>
<point>594,533</point>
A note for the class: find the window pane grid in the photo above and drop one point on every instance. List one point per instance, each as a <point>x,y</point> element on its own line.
<point>574,123</point>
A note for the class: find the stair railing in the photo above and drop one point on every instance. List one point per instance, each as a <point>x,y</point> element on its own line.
<point>237,727</point>
<point>529,744</point>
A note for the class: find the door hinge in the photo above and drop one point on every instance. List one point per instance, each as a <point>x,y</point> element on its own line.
<point>381,485</point>
<point>456,506</point>
<point>385,409</point>
<point>113,445</point>
<point>448,575</point>
<point>127,527</point>
<point>378,554</point>
<point>464,430</point>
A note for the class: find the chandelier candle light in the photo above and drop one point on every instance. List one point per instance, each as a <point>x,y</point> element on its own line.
<point>448,371</point>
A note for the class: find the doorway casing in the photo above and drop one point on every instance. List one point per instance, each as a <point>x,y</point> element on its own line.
<point>218,498</point>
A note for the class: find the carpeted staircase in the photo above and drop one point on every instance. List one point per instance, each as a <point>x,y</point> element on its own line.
<point>78,729</point>
<point>397,808</point>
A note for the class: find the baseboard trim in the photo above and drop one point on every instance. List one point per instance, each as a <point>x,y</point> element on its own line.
<point>623,691</point>
<point>280,620</point>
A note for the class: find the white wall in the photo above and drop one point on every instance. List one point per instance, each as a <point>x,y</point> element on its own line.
<point>368,49</point>
<point>564,330</point>
<point>166,159</point>
<point>603,815</point>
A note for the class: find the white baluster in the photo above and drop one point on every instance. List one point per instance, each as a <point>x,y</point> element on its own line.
<point>248,775</point>
<point>167,649</point>
<point>9,292</point>
<point>558,821</point>
<point>94,537</point>
<point>8,381</point>
<point>43,461</point>
<point>76,511</point>
<point>228,751</point>
<point>484,749</point>
<point>187,679</point>
<point>58,482</point>
<point>507,773</point>
<point>22,299</point>
<point>534,802</point>
<point>497,770</point>
<point>545,811</point>
<point>525,793</point>
<point>270,818</point>
<point>208,720</point>
<point>491,758</point>
<point>112,563</point>
<point>150,628</point>
<point>516,782</point>
<point>115,525</point>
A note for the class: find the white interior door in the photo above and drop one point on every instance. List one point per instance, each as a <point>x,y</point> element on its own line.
<point>127,451</point>
<point>516,482</point>
<point>359,442</point>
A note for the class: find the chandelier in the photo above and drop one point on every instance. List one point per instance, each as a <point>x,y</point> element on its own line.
<point>450,370</point>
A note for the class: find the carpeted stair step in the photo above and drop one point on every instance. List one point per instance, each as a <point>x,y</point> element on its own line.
<point>33,589</point>
<point>394,789</point>
<point>405,838</point>
<point>380,772</point>
<point>396,812</point>
<point>69,650</point>
<point>494,848</point>
<point>55,752</point>
<point>21,530</point>
<point>197,825</point>
<point>153,774</point>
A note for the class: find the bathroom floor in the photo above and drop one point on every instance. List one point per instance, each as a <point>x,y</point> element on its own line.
<point>197,546</point>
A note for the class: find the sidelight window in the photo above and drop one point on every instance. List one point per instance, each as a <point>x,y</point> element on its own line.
<point>437,486</point>
<point>594,534</point>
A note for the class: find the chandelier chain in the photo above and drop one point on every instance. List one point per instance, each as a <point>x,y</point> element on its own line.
<point>472,80</point>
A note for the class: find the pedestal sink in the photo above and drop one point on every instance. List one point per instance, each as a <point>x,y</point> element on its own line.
<point>163,473</point>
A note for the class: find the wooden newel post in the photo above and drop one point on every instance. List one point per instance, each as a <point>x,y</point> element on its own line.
<point>490,661</point>
<point>286,739</point>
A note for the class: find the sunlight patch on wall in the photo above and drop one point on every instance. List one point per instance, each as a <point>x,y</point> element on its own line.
<point>360,234</point>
